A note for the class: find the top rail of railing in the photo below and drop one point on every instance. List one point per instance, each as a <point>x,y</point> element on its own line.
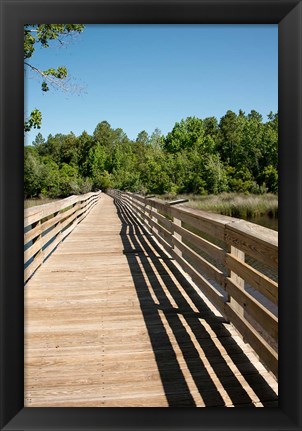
<point>234,262</point>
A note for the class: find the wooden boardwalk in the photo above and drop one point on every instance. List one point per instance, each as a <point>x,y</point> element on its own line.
<point>110,320</point>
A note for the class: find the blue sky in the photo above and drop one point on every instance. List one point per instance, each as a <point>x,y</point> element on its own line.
<point>142,77</point>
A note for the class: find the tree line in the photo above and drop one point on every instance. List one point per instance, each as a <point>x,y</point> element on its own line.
<point>238,153</point>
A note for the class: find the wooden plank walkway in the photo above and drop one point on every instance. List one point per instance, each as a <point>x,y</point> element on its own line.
<point>111,321</point>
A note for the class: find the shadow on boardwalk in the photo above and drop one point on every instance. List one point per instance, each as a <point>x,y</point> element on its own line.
<point>197,358</point>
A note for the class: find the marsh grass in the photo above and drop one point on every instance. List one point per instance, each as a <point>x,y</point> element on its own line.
<point>234,204</point>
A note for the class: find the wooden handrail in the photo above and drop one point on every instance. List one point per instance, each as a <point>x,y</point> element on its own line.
<point>234,262</point>
<point>45,226</point>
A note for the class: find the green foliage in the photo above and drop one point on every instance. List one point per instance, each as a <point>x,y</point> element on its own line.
<point>184,135</point>
<point>230,137</point>
<point>60,73</point>
<point>216,175</point>
<point>103,133</point>
<point>156,139</point>
<point>32,173</point>
<point>240,180</point>
<point>34,121</point>
<point>105,181</point>
<point>42,35</point>
<point>143,137</point>
<point>39,141</point>
<point>96,160</point>
<point>51,180</point>
<point>202,157</point>
<point>270,178</point>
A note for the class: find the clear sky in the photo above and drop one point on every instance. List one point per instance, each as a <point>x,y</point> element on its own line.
<point>142,77</point>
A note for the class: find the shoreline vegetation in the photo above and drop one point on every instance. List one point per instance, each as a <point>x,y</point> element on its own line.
<point>259,209</point>
<point>240,205</point>
<point>228,165</point>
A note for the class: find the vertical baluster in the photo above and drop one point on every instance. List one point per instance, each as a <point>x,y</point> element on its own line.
<point>239,255</point>
<point>177,235</point>
<point>37,238</point>
<point>177,221</point>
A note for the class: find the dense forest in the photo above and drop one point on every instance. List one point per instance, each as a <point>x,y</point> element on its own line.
<point>239,153</point>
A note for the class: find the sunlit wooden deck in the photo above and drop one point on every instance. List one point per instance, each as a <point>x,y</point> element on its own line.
<point>110,320</point>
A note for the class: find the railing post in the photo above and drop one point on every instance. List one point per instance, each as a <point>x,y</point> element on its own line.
<point>177,222</point>
<point>124,197</point>
<point>147,213</point>
<point>37,223</point>
<point>154,219</point>
<point>131,203</point>
<point>77,209</point>
<point>147,208</point>
<point>239,255</point>
<point>57,224</point>
<point>177,235</point>
<point>143,215</point>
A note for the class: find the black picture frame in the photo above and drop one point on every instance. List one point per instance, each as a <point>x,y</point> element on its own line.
<point>288,15</point>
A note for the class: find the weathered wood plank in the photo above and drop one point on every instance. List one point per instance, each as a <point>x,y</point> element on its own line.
<point>211,224</point>
<point>213,294</point>
<point>33,214</point>
<point>43,240</point>
<point>262,283</point>
<point>257,241</point>
<point>50,232</point>
<point>111,321</point>
<point>261,347</point>
<point>253,307</point>
<point>202,264</point>
<point>211,249</point>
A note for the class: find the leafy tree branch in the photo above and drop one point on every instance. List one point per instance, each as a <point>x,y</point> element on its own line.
<point>43,34</point>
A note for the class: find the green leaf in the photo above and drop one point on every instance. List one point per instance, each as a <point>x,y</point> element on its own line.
<point>34,121</point>
<point>44,86</point>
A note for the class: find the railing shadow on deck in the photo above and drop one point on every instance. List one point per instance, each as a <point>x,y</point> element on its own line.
<point>150,265</point>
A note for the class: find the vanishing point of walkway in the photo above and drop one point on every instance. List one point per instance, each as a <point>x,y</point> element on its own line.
<point>110,320</point>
